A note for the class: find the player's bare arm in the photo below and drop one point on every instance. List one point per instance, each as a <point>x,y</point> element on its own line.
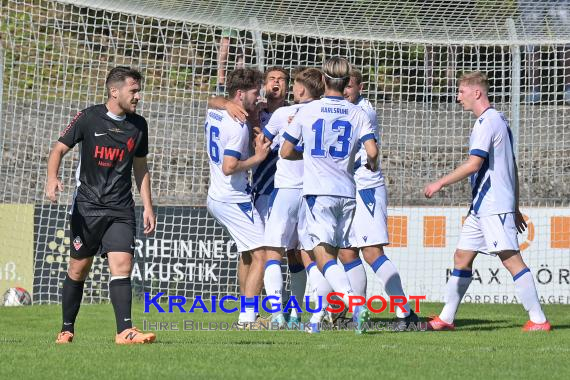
<point>233,165</point>
<point>142,178</point>
<point>372,153</point>
<point>289,152</point>
<point>53,184</point>
<point>236,111</point>
<point>469,167</point>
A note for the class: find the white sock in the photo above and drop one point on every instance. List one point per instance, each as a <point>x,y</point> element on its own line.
<point>524,283</point>
<point>249,314</point>
<point>298,285</point>
<point>455,289</point>
<point>389,276</point>
<point>338,280</point>
<point>320,287</point>
<point>356,276</point>
<point>273,281</point>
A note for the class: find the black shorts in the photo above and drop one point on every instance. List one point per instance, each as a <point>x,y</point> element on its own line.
<point>92,235</point>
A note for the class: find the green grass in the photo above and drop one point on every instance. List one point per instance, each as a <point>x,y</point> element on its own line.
<point>488,343</point>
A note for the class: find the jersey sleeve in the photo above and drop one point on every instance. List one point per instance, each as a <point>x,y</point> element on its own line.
<point>293,131</point>
<point>142,149</point>
<point>236,134</point>
<point>367,129</point>
<point>373,118</point>
<point>274,125</point>
<point>74,132</point>
<point>481,139</point>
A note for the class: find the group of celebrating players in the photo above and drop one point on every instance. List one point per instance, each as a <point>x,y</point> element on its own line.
<point>310,161</point>
<point>316,194</point>
<point>319,195</point>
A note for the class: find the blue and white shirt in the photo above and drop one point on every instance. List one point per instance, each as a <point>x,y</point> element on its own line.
<point>264,173</point>
<point>289,174</point>
<point>493,186</point>
<point>364,178</point>
<point>226,137</point>
<point>330,129</point>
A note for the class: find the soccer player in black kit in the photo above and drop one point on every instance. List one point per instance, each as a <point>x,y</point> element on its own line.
<point>113,143</point>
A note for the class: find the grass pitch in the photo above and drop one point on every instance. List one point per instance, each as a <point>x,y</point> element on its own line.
<point>488,343</point>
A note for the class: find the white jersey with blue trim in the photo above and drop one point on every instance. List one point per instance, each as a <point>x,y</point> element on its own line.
<point>226,137</point>
<point>365,178</point>
<point>493,186</point>
<point>289,174</point>
<point>330,129</point>
<point>264,173</point>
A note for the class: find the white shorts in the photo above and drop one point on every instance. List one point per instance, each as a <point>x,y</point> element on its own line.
<point>370,225</point>
<point>329,219</point>
<point>489,234</point>
<point>282,222</point>
<point>242,222</point>
<point>302,231</point>
<point>262,206</point>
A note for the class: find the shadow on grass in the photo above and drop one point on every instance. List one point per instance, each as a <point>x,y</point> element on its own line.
<point>560,327</point>
<point>483,324</point>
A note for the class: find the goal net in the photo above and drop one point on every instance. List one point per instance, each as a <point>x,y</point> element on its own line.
<point>55,55</point>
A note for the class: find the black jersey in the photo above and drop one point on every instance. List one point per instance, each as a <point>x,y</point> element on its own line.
<point>107,150</point>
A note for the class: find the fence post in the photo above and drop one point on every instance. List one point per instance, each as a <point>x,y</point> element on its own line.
<point>1,99</point>
<point>515,85</point>
<point>258,43</point>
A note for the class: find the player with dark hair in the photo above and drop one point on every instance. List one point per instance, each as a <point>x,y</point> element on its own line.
<point>284,227</point>
<point>229,195</point>
<point>113,144</point>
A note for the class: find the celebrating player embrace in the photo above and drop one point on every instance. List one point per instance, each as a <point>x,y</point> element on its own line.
<point>285,225</point>
<point>229,195</point>
<point>330,129</point>
<point>369,231</point>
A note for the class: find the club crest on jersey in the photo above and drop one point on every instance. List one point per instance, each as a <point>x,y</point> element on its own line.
<point>365,238</point>
<point>77,243</point>
<point>130,144</point>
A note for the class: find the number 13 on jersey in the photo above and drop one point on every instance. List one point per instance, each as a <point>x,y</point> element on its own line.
<point>342,145</point>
